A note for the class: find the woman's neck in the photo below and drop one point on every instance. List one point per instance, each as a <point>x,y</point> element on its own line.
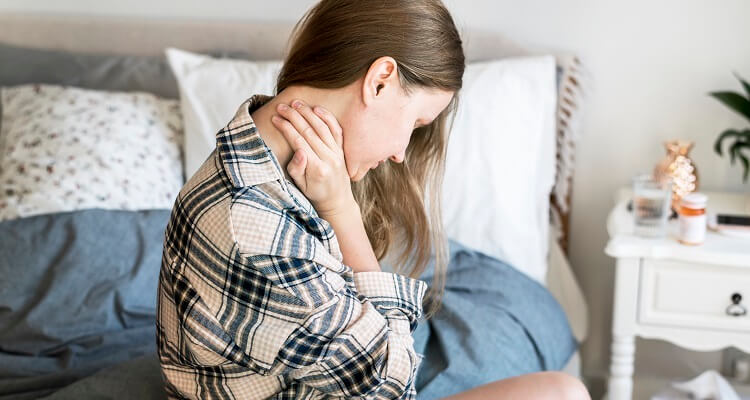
<point>333,100</point>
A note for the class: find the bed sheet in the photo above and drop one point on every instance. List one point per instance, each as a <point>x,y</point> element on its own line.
<point>495,322</point>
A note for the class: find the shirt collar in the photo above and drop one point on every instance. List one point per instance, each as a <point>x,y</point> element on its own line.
<point>244,155</point>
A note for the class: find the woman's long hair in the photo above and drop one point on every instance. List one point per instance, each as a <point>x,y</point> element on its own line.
<point>333,45</point>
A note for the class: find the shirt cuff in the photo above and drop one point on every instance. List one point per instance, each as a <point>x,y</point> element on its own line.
<point>388,291</point>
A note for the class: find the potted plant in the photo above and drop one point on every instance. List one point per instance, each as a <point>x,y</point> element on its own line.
<point>741,138</point>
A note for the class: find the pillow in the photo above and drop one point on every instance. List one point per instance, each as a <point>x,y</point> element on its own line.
<point>211,89</point>
<point>513,168</point>
<point>65,148</point>
<point>116,72</point>
<point>503,140</point>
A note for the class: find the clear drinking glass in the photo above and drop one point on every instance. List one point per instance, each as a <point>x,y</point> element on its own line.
<point>652,205</point>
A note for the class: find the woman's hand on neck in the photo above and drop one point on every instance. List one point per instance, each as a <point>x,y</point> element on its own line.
<point>334,100</point>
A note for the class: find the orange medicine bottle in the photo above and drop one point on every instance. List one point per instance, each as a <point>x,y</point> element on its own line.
<point>692,218</point>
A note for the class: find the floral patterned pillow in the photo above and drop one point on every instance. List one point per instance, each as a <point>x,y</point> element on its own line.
<point>64,148</point>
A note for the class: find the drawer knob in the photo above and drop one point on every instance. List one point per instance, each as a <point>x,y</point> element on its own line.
<point>736,309</point>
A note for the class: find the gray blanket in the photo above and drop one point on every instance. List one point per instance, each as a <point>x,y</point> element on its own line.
<point>77,294</point>
<point>77,312</point>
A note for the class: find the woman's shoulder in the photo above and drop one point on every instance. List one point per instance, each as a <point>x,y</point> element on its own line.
<point>270,217</point>
<point>267,219</point>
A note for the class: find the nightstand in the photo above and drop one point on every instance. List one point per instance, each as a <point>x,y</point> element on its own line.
<point>674,292</point>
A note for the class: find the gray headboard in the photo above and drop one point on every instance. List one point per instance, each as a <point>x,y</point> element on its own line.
<point>268,41</point>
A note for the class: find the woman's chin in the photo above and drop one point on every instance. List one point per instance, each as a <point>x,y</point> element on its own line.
<point>359,175</point>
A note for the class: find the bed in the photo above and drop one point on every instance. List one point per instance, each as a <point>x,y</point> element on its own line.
<point>58,350</point>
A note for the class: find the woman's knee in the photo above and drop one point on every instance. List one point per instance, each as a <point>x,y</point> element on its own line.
<point>568,387</point>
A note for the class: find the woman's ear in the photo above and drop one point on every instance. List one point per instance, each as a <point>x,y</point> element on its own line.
<point>380,77</point>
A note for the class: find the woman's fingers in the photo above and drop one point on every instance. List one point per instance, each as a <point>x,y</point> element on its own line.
<point>320,125</point>
<point>333,125</point>
<point>296,169</point>
<point>295,139</point>
<point>308,129</point>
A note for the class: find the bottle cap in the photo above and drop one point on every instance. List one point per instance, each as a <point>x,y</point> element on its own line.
<point>694,200</point>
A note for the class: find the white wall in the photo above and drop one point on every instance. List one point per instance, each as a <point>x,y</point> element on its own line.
<point>653,63</point>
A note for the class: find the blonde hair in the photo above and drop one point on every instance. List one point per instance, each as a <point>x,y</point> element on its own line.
<point>333,45</point>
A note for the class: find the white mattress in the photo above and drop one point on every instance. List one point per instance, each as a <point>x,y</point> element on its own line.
<point>562,284</point>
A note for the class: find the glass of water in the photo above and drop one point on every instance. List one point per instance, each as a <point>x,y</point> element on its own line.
<point>652,205</point>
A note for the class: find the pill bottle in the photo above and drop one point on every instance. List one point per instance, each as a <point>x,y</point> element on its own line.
<point>692,218</point>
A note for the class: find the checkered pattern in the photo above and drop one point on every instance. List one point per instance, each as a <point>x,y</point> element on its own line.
<point>254,300</point>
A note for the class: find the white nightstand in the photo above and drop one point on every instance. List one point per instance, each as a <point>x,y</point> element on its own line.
<point>670,291</point>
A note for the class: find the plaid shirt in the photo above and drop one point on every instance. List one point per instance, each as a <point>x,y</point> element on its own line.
<point>254,300</point>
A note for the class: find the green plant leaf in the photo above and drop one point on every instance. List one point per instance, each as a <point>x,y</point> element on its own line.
<point>736,149</point>
<point>734,101</point>
<point>742,142</point>
<point>744,84</point>
<point>745,166</point>
<point>727,133</point>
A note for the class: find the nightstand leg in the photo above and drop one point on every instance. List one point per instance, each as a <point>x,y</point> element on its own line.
<point>621,367</point>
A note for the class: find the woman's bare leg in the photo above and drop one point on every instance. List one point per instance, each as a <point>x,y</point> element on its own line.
<point>547,385</point>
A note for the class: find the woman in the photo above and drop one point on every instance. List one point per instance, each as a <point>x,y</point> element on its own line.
<point>270,283</point>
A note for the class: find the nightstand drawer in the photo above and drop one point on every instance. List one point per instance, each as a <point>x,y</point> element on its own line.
<point>692,295</point>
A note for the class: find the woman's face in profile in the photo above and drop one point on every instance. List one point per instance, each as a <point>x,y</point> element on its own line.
<point>382,131</point>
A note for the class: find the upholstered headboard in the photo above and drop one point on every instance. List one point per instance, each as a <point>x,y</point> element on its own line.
<point>141,36</point>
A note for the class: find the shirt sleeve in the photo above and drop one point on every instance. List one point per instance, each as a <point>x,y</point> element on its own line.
<point>396,297</point>
<point>357,343</point>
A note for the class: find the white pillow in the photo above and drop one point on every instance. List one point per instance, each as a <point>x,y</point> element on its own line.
<point>211,89</point>
<point>503,138</point>
<point>500,161</point>
<point>66,148</point>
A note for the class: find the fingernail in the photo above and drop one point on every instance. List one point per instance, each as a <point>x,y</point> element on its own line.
<point>275,119</point>
<point>318,110</point>
<point>296,104</point>
<point>283,107</point>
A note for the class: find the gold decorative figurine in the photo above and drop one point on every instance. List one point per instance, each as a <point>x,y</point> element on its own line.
<point>678,167</point>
